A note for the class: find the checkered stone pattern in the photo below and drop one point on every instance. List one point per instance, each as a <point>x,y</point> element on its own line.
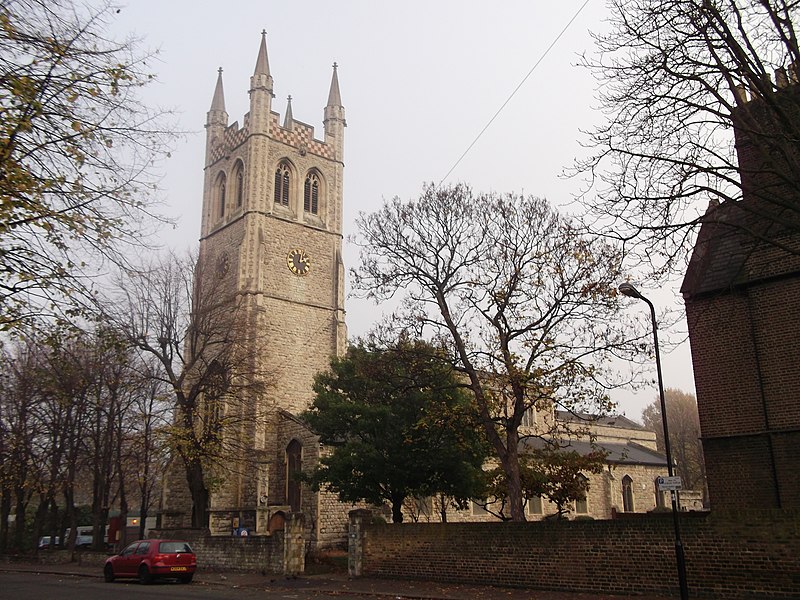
<point>300,135</point>
<point>234,136</point>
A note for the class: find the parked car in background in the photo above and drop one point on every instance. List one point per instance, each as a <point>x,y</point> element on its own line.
<point>44,542</point>
<point>147,560</point>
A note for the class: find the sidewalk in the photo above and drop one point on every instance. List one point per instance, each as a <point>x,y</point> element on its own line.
<point>335,583</point>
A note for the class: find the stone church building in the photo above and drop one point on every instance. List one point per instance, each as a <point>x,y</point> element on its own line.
<point>272,230</point>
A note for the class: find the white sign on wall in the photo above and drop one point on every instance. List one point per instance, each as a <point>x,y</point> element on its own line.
<point>669,484</point>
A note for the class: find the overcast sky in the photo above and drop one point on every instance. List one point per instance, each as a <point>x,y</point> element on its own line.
<point>419,81</point>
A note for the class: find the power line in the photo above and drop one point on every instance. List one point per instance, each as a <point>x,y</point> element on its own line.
<point>516,89</point>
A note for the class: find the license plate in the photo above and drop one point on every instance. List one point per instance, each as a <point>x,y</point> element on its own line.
<point>177,568</point>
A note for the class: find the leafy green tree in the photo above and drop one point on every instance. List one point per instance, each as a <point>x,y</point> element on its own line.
<point>549,472</point>
<point>77,152</point>
<point>524,302</point>
<point>399,425</point>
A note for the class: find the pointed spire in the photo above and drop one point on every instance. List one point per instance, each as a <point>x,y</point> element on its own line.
<point>334,116</point>
<point>334,98</point>
<point>218,103</point>
<point>288,120</point>
<point>262,62</point>
<point>261,79</point>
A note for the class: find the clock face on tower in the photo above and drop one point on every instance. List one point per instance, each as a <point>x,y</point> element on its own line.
<point>298,261</point>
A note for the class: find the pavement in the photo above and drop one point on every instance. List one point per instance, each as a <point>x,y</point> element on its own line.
<point>339,584</point>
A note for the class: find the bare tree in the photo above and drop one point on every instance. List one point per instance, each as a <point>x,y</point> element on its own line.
<point>526,305</point>
<point>677,79</point>
<point>77,151</point>
<point>148,450</point>
<point>68,401</point>
<point>191,321</point>
<point>684,432</point>
<point>17,416</point>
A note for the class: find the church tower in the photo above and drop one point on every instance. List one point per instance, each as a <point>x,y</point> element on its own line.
<point>272,232</point>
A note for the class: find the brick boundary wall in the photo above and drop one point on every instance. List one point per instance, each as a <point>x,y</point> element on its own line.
<point>252,553</point>
<point>733,555</point>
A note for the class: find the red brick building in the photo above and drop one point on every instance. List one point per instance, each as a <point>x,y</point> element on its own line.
<point>742,295</point>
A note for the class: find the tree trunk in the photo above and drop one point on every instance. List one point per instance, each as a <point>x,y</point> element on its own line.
<point>199,492</point>
<point>19,524</point>
<point>397,508</point>
<point>510,463</point>
<point>143,512</point>
<point>5,511</point>
<point>123,520</point>
<point>70,519</point>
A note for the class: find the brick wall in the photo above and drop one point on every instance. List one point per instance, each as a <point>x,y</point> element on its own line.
<point>729,555</point>
<point>253,553</point>
<point>745,356</point>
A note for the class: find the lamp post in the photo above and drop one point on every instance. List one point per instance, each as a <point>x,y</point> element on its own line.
<point>626,289</point>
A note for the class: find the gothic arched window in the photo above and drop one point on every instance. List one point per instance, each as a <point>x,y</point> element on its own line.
<point>311,194</point>
<point>282,180</point>
<point>221,195</point>
<point>239,179</point>
<point>581,504</point>
<point>214,392</point>
<point>627,493</point>
<point>294,466</point>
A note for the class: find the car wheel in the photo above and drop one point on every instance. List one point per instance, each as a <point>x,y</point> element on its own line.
<point>186,578</point>
<point>144,575</point>
<point>108,573</point>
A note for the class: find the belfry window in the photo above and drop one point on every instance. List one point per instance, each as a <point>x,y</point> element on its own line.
<point>282,181</point>
<point>311,194</point>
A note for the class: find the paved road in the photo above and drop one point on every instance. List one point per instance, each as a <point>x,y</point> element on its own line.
<point>33,586</point>
<point>29,581</point>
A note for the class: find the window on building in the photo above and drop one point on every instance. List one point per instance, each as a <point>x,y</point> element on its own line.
<point>214,397</point>
<point>535,505</point>
<point>529,417</point>
<point>582,504</point>
<point>239,185</point>
<point>282,181</point>
<point>627,493</point>
<point>294,467</point>
<point>311,194</point>
<point>221,195</point>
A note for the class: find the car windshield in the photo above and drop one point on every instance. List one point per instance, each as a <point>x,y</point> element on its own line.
<point>174,548</point>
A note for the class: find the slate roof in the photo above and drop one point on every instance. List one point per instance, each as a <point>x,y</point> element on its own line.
<point>727,256</point>
<point>606,421</point>
<point>720,253</point>
<point>629,453</point>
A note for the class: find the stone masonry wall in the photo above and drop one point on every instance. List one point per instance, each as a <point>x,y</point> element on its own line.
<point>732,555</point>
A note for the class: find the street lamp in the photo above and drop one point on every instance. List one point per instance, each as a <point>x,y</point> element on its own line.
<point>626,289</point>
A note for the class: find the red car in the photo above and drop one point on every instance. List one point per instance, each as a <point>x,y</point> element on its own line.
<point>149,559</point>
